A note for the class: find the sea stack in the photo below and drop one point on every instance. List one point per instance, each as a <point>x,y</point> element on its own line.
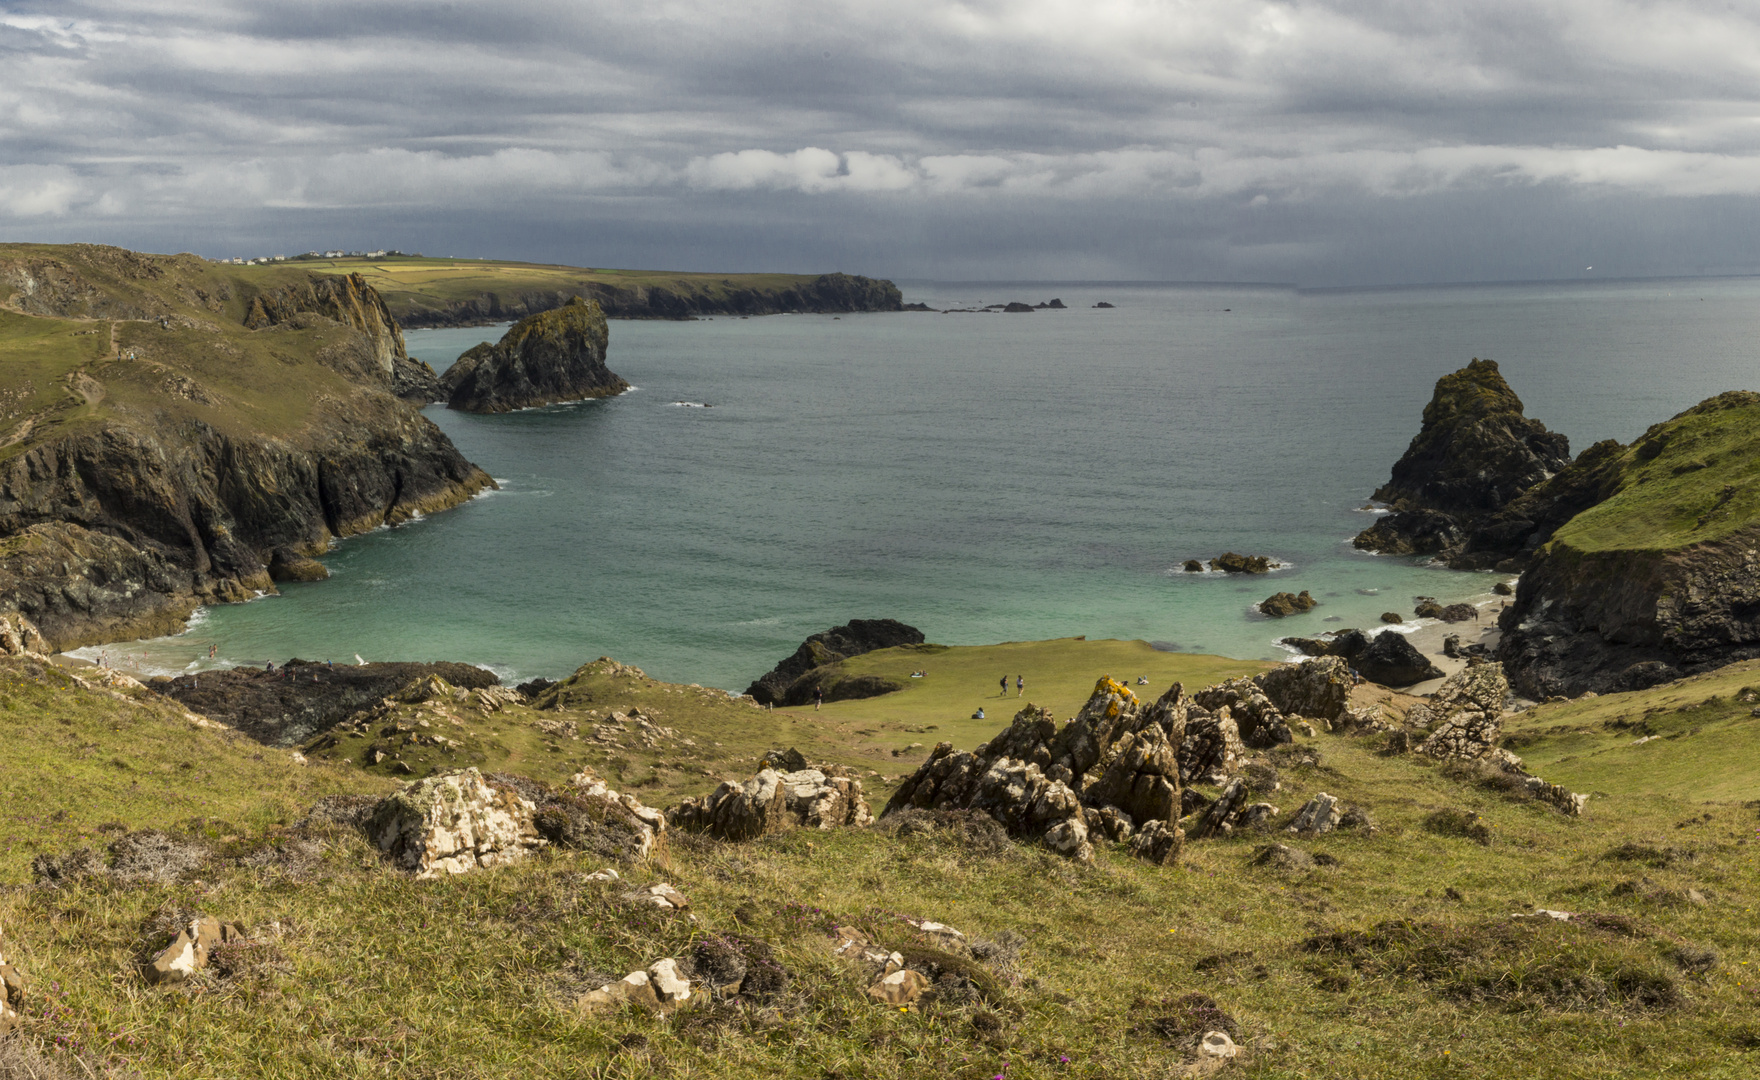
<point>556,355</point>
<point>1475,454</point>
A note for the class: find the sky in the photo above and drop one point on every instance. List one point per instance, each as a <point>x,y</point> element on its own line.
<point>1351,142</point>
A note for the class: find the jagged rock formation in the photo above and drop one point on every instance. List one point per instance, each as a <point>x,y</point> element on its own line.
<point>772,802</point>
<point>1117,769</point>
<point>453,823</point>
<point>1260,723</point>
<point>557,355</point>
<point>1319,688</point>
<point>827,293</point>
<point>169,456</point>
<point>814,665</point>
<point>1657,578</point>
<point>1475,454</point>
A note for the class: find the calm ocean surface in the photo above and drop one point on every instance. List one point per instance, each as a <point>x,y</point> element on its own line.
<point>983,477</point>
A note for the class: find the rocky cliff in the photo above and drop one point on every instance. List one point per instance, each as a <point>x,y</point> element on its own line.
<point>556,355</point>
<point>827,293</point>
<point>1658,576</point>
<point>174,434</point>
<point>349,301</point>
<point>1475,454</point>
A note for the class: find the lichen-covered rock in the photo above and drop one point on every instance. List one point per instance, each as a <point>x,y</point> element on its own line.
<point>1556,796</point>
<point>1158,843</point>
<point>1317,816</point>
<point>588,815</point>
<point>12,996</point>
<point>1219,819</point>
<point>1016,793</point>
<point>772,801</point>
<point>19,636</point>
<point>1260,723</point>
<point>1463,714</point>
<point>1143,778</point>
<point>452,823</point>
<point>1320,687</point>
<point>1212,750</point>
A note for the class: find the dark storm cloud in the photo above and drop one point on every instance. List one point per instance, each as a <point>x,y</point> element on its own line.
<point>1323,142</point>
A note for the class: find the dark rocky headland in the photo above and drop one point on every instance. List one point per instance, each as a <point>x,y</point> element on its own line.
<point>177,433</point>
<point>825,294</point>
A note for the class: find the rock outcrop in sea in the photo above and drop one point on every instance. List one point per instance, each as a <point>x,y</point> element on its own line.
<point>167,455</point>
<point>1475,454</point>
<point>557,355</point>
<point>814,666</point>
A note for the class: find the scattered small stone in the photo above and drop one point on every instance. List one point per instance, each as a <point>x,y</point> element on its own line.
<point>1217,1044</point>
<point>662,896</point>
<point>1318,816</point>
<point>899,988</point>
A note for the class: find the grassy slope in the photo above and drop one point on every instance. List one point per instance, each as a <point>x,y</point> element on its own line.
<point>411,283</point>
<point>249,381</point>
<point>732,734</point>
<point>382,976</point>
<point>1692,479</point>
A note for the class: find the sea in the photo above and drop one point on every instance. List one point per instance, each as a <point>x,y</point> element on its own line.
<point>985,477</point>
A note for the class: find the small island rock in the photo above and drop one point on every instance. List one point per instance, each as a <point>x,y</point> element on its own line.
<point>557,355</point>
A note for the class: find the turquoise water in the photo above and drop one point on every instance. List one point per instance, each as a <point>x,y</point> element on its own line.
<point>983,477</point>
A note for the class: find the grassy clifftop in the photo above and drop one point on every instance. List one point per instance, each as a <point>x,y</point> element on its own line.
<point>1689,480</point>
<point>1396,955</point>
<point>442,292</point>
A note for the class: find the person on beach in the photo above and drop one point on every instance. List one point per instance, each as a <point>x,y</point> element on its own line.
<point>1020,685</point>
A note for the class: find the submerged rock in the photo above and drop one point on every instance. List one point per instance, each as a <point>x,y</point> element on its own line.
<point>558,355</point>
<point>1232,563</point>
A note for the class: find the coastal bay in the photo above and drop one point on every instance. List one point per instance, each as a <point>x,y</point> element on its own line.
<point>986,477</point>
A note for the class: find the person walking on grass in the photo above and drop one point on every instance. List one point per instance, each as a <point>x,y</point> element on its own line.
<point>818,697</point>
<point>1004,687</point>
<point>1020,685</point>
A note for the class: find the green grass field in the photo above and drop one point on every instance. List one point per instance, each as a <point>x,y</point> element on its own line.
<point>1399,958</point>
<point>1689,480</point>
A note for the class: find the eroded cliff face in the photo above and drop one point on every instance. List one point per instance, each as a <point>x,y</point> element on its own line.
<point>177,437</point>
<point>553,356</point>
<point>826,294</point>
